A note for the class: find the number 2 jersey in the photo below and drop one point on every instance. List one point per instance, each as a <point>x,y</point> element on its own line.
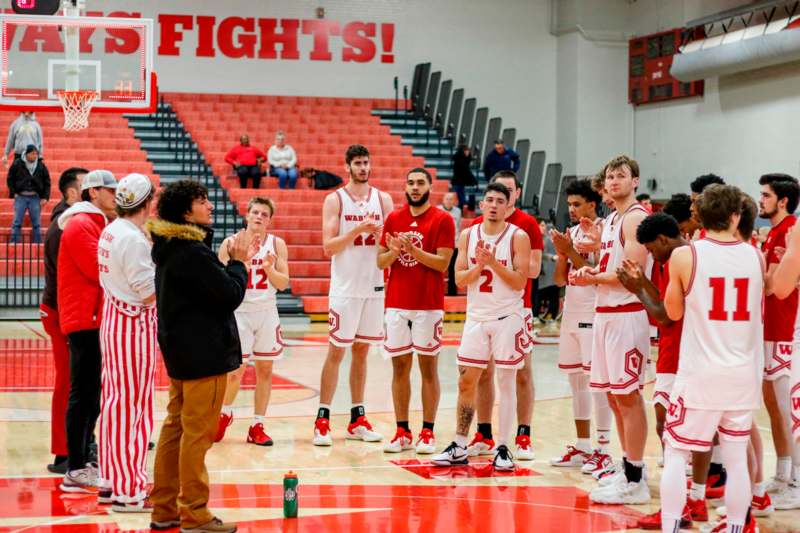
<point>491,298</point>
<point>260,293</point>
<point>354,270</point>
<point>721,357</point>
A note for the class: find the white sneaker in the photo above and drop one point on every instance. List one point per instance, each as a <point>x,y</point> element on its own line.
<point>597,462</point>
<point>625,493</point>
<point>80,481</point>
<point>322,433</point>
<point>573,457</point>
<point>503,460</point>
<point>362,430</point>
<point>613,475</point>
<point>426,443</point>
<point>776,485</point>
<point>453,455</point>
<point>787,499</point>
<point>480,446</point>
<point>402,441</point>
<point>524,448</point>
<point>612,468</point>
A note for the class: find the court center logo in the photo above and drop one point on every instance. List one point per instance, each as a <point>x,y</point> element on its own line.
<point>406,259</point>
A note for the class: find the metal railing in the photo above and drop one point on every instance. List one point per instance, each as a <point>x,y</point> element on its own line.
<point>21,271</point>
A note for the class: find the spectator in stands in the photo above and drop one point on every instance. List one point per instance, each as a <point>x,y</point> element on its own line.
<point>246,161</point>
<point>25,130</point>
<point>29,186</point>
<point>449,205</point>
<point>283,162</point>
<point>70,186</point>
<point>462,173</point>
<point>501,158</point>
<point>644,199</point>
<point>80,301</point>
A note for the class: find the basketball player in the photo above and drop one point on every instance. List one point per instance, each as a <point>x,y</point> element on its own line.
<point>128,345</point>
<point>257,318</point>
<point>493,261</point>
<point>416,246</point>
<point>352,218</point>
<point>575,346</point>
<point>717,285</point>
<point>679,207</point>
<point>779,199</point>
<point>483,443</point>
<point>621,340</point>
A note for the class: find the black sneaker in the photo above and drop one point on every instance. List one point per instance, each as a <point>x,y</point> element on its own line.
<point>503,460</point>
<point>104,497</point>
<point>58,466</point>
<point>452,455</point>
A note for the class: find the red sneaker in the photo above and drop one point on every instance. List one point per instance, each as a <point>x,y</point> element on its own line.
<point>524,448</point>
<point>722,526</point>
<point>480,446</point>
<point>761,506</point>
<point>715,493</point>
<point>222,425</point>
<point>257,436</point>
<point>653,521</point>
<point>698,509</point>
<point>322,432</point>
<point>361,429</point>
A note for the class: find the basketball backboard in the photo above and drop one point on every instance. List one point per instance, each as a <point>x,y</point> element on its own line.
<point>41,56</point>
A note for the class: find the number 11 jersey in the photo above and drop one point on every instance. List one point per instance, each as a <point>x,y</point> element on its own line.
<point>490,298</point>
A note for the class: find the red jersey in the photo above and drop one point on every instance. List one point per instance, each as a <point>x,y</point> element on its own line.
<point>779,315</point>
<point>528,224</point>
<point>669,337</point>
<point>411,285</point>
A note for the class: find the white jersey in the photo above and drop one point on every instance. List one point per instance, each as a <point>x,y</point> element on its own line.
<point>127,272</point>
<point>260,293</point>
<point>721,356</point>
<point>612,253</point>
<point>354,270</point>
<point>490,298</point>
<point>579,299</point>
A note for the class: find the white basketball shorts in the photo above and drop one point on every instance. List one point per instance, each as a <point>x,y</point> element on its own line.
<point>620,349</point>
<point>662,391</point>
<point>355,320</point>
<point>777,359</point>
<point>504,340</point>
<point>260,334</point>
<point>413,331</point>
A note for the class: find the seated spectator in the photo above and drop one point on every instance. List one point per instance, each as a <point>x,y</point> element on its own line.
<point>25,130</point>
<point>29,186</point>
<point>246,160</point>
<point>501,158</point>
<point>283,162</point>
<point>462,174</point>
<point>644,200</point>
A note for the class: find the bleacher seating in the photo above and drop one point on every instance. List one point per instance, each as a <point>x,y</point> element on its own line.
<point>320,130</point>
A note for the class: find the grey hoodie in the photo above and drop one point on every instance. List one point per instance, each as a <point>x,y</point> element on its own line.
<point>24,131</point>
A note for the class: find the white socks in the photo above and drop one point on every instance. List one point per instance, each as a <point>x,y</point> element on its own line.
<point>507,409</point>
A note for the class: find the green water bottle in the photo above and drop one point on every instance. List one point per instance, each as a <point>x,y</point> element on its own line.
<point>290,495</point>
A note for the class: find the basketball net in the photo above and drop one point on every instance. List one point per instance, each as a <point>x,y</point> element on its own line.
<point>76,105</point>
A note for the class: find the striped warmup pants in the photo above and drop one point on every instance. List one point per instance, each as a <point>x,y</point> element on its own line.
<point>128,344</point>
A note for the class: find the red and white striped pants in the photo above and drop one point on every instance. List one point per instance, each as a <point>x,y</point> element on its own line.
<point>128,343</point>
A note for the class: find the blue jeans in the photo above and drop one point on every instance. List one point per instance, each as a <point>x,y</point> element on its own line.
<point>286,176</point>
<point>32,206</point>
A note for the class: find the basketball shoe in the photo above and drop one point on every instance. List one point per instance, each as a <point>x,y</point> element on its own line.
<point>480,446</point>
<point>322,433</point>
<point>760,507</point>
<point>426,443</point>
<point>503,460</point>
<point>362,430</point>
<point>722,526</point>
<point>622,492</point>
<point>573,457</point>
<point>222,425</point>
<point>402,441</point>
<point>524,448</point>
<point>653,521</point>
<point>142,506</point>
<point>451,456</point>
<point>256,435</point>
<point>698,509</point>
<point>777,484</point>
<point>787,499</point>
<point>597,462</point>
<point>83,481</point>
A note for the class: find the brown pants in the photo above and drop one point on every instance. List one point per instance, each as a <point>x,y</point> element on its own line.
<point>180,485</point>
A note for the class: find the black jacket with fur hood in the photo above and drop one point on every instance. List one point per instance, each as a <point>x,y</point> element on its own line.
<point>196,296</point>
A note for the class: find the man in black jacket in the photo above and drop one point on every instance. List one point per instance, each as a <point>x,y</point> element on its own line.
<point>196,296</point>
<point>70,186</point>
<point>501,158</point>
<point>29,186</point>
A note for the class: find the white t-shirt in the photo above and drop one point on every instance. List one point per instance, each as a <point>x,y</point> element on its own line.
<point>127,272</point>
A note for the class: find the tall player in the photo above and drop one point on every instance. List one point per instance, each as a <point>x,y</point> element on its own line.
<point>493,261</point>
<point>483,442</point>
<point>416,246</point>
<point>779,198</point>
<point>621,339</point>
<point>716,285</point>
<point>575,346</point>
<point>257,318</point>
<point>128,345</point>
<point>352,218</point>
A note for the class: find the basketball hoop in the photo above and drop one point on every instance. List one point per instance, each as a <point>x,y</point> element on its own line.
<point>76,105</point>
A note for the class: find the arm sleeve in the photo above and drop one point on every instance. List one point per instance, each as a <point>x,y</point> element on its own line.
<point>230,157</point>
<point>82,237</point>
<point>293,159</point>
<point>139,268</point>
<point>221,286</point>
<point>45,181</point>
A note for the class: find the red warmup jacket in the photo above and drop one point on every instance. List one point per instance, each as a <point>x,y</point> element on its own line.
<point>80,298</point>
<point>244,155</point>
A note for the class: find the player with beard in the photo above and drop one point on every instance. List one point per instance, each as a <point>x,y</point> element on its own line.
<point>352,218</point>
<point>416,247</point>
<point>493,260</point>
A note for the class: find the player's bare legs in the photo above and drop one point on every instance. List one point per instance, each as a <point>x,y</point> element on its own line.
<point>358,372</point>
<point>234,381</point>
<point>634,420</point>
<point>330,374</point>
<point>456,452</point>
<point>619,421</point>
<point>429,369</point>
<point>263,387</point>
<point>401,385</point>
<point>661,417</point>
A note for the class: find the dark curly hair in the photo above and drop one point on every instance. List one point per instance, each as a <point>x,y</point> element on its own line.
<point>175,200</point>
<point>701,182</point>
<point>583,187</point>
<point>657,224</point>
<point>680,207</point>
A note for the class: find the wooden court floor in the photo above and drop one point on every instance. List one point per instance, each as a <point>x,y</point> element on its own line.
<point>352,486</point>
